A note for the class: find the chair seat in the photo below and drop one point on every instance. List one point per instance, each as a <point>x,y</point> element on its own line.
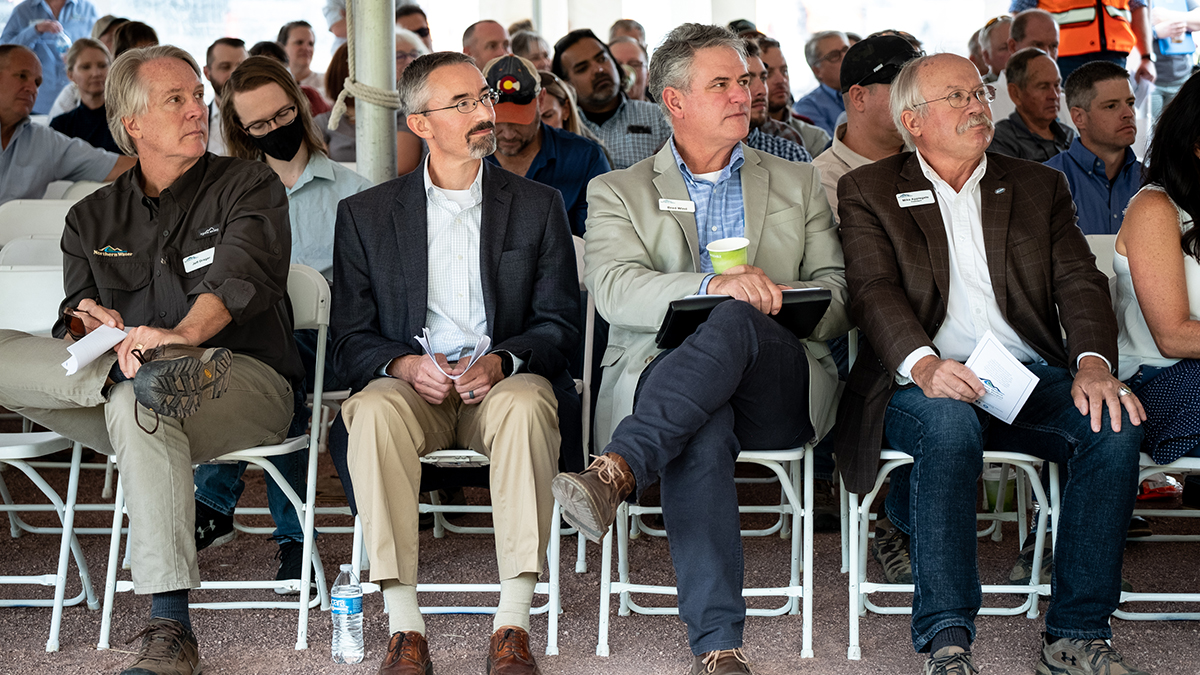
<point>31,445</point>
<point>294,444</point>
<point>456,458</point>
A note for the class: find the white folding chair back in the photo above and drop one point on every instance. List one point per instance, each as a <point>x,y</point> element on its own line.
<point>33,249</point>
<point>81,189</point>
<point>1103,246</point>
<point>309,293</point>
<point>33,216</point>
<point>30,296</point>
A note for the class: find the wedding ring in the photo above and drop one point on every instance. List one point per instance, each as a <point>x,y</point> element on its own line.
<point>139,346</point>
<point>471,394</point>
<point>1124,391</point>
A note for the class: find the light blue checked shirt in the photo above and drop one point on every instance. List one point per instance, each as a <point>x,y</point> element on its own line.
<point>720,208</point>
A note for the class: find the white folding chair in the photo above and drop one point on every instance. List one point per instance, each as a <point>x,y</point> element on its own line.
<point>33,249</point>
<point>796,484</point>
<point>309,295</point>
<point>81,189</point>
<point>33,216</point>
<point>1103,246</point>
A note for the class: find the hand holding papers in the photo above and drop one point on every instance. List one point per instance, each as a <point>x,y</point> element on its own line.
<point>1007,381</point>
<point>481,348</point>
<point>92,346</point>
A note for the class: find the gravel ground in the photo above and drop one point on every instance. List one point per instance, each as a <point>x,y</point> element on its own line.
<point>262,641</point>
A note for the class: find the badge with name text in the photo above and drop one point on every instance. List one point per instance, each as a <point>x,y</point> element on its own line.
<point>908,199</point>
<point>681,205</point>
<point>197,260</point>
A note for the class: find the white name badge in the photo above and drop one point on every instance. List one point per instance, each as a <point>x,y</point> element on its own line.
<point>197,260</point>
<point>682,205</point>
<point>908,199</point>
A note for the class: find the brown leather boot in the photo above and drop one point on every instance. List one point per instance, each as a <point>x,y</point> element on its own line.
<point>167,649</point>
<point>509,653</point>
<point>722,662</point>
<point>407,654</point>
<point>174,378</point>
<point>590,499</point>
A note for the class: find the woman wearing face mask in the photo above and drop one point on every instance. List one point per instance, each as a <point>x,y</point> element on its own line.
<point>267,118</point>
<point>87,66</point>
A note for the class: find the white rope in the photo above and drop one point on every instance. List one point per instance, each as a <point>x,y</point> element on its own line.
<point>384,98</point>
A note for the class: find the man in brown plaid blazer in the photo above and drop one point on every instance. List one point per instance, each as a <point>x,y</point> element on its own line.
<point>942,246</point>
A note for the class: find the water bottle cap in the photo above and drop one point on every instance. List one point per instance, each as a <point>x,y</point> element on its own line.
<point>347,567</point>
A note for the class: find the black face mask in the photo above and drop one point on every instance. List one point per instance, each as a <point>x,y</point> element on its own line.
<point>282,143</point>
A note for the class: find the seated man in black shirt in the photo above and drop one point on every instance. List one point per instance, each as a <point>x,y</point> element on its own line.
<point>188,252</point>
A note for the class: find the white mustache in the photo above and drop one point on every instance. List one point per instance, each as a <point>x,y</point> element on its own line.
<point>976,120</point>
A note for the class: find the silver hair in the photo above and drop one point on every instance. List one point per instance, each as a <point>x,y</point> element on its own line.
<point>413,86</point>
<point>985,34</point>
<point>1017,70</point>
<point>127,94</point>
<point>810,47</point>
<point>671,65</point>
<point>906,95</point>
<point>412,39</point>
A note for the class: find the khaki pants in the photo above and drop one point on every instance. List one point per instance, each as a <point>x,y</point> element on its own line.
<point>391,427</point>
<point>156,469</point>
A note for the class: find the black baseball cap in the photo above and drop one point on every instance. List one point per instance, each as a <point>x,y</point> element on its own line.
<point>875,60</point>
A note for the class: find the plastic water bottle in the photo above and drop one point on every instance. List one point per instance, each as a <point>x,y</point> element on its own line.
<point>347,617</point>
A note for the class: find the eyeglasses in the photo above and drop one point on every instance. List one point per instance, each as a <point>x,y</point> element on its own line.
<point>281,119</point>
<point>961,99</point>
<point>73,320</point>
<point>408,56</point>
<point>834,56</point>
<point>468,105</point>
<point>1002,17</point>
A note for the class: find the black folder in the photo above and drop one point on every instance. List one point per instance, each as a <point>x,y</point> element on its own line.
<point>802,311</point>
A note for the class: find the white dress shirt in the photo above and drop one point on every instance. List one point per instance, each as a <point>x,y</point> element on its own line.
<point>455,313</point>
<point>216,136</point>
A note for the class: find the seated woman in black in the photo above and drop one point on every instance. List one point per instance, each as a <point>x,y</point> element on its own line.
<point>87,66</point>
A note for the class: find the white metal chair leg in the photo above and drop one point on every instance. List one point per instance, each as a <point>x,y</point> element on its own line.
<point>854,652</point>
<point>844,502</point>
<point>108,480</point>
<point>14,526</point>
<point>110,583</point>
<point>581,554</point>
<point>623,537</point>
<point>555,601</point>
<point>605,590</point>
<point>806,650</point>
<point>67,516</point>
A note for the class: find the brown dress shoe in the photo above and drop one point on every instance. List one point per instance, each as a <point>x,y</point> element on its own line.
<point>590,499</point>
<point>167,649</point>
<point>721,662</point>
<point>407,654</point>
<point>509,653</point>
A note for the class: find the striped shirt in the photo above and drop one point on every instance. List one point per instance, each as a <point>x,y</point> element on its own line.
<point>720,208</point>
<point>775,145</point>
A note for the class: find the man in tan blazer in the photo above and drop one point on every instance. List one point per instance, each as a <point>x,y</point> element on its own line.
<point>741,381</point>
<point>944,245</point>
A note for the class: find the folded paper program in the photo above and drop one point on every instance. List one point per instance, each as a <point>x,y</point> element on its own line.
<point>481,348</point>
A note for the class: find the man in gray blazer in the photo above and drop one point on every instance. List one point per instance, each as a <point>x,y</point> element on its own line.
<point>741,381</point>
<point>460,249</point>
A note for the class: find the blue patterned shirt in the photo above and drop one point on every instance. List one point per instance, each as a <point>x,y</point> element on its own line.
<point>1099,203</point>
<point>780,147</point>
<point>636,131</point>
<point>720,208</point>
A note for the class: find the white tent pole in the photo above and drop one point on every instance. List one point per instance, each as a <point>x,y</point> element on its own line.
<point>375,56</point>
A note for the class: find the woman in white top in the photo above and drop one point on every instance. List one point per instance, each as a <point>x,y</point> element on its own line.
<point>1157,286</point>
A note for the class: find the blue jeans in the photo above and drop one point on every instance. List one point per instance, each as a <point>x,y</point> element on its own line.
<point>946,439</point>
<point>739,382</point>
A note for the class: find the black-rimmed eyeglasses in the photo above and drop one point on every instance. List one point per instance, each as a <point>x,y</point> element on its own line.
<point>280,119</point>
<point>468,105</point>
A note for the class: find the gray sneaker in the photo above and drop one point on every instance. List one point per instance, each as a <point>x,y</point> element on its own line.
<point>1070,656</point>
<point>1022,571</point>
<point>890,549</point>
<point>950,661</point>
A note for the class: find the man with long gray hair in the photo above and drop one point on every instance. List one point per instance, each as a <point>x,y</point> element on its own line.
<point>459,250</point>
<point>948,246</point>
<point>189,253</point>
<point>740,382</point>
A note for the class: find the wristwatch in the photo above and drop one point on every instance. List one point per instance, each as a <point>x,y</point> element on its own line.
<point>1150,57</point>
<point>506,363</point>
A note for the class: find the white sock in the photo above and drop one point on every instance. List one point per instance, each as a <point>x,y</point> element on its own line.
<point>404,613</point>
<point>516,597</point>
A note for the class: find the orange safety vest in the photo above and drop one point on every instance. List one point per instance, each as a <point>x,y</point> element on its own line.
<point>1090,26</point>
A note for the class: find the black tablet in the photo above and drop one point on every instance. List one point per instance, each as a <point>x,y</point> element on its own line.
<point>802,311</point>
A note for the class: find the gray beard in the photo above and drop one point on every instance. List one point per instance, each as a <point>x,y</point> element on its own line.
<point>483,147</point>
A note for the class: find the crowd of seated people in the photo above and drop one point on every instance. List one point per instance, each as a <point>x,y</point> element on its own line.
<point>884,186</point>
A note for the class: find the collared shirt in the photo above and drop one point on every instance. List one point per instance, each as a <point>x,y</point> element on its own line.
<point>836,162</point>
<point>1013,138</point>
<point>312,208</point>
<point>815,138</point>
<point>971,308</point>
<point>220,228</point>
<point>775,145</point>
<point>1002,106</point>
<point>774,127</point>
<point>90,125</point>
<point>720,207</point>
<point>821,105</point>
<point>567,163</point>
<point>1099,203</point>
<point>216,131</point>
<point>635,131</point>
<point>37,156</point>
<point>455,315</point>
<point>76,18</point>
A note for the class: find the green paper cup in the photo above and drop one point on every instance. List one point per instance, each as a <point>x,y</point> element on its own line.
<point>728,253</point>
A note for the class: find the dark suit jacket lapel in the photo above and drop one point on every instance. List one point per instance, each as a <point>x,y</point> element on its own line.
<point>493,228</point>
<point>411,222</point>
<point>929,218</point>
<point>995,208</point>
<point>756,184</point>
<point>671,186</point>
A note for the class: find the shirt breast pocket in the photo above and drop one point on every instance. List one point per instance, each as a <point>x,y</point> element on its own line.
<point>121,283</point>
